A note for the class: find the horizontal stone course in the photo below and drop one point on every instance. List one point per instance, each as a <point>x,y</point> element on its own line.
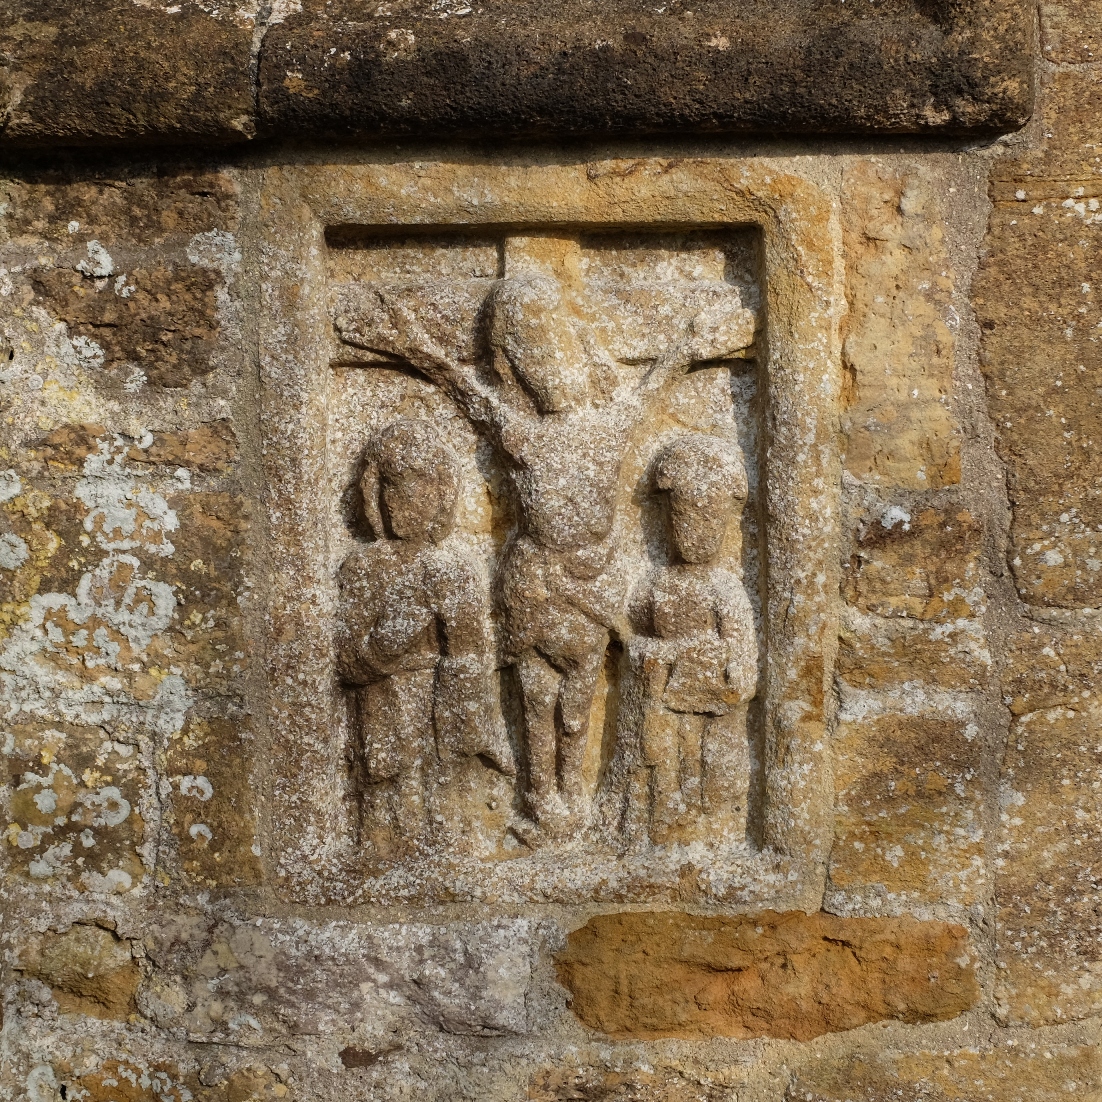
<point>791,975</point>
<point>130,74</point>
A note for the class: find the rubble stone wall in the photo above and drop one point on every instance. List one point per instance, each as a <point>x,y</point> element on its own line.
<point>518,588</point>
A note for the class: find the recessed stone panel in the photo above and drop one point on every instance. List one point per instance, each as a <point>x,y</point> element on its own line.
<point>537,637</point>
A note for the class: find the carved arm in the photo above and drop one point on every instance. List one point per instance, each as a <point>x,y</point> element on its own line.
<point>718,332</point>
<point>737,629</point>
<point>376,319</point>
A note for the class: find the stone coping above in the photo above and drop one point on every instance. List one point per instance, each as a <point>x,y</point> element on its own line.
<point>145,72</point>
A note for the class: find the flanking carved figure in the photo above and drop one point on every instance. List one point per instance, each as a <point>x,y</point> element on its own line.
<point>560,413</point>
<point>680,770</point>
<point>414,646</point>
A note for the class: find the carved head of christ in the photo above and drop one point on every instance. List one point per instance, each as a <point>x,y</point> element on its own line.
<point>534,330</point>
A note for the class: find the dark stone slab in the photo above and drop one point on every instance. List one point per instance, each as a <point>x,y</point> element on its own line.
<point>525,67</point>
<point>128,73</point>
<point>93,72</point>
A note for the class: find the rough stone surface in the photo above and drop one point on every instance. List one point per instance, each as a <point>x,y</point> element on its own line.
<point>144,73</point>
<point>900,331</point>
<point>1038,310</point>
<point>1032,1071</point>
<point>601,68</point>
<point>614,621</point>
<point>767,975</point>
<point>88,970</point>
<point>909,810</point>
<point>1050,884</point>
<point>1070,32</point>
<point>124,72</point>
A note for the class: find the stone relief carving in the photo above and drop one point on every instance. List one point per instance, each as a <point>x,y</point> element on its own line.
<point>414,644</point>
<point>558,414</point>
<point>680,768</point>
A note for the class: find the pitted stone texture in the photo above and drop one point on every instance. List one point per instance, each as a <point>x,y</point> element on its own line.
<point>277,978</point>
<point>876,653</point>
<point>793,975</point>
<point>602,394</point>
<point>1071,31</point>
<point>149,206</point>
<point>1067,151</point>
<point>900,337</point>
<point>909,813</point>
<point>921,563</point>
<point>211,806</point>
<point>137,270</point>
<point>123,529</point>
<point>129,1077</point>
<point>1049,883</point>
<point>123,72</point>
<point>164,321</point>
<point>1047,665</point>
<point>585,1084</point>
<point>1022,1071</point>
<point>589,68</point>
<point>915,589</point>
<point>1039,314</point>
<point>75,806</point>
<point>88,969</point>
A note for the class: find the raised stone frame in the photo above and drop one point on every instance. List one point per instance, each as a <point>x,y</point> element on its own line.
<point>800,362</point>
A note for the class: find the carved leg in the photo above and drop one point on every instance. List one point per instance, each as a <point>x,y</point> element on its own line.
<point>690,755</point>
<point>415,756</point>
<point>726,755</point>
<point>575,703</point>
<point>539,687</point>
<point>660,752</point>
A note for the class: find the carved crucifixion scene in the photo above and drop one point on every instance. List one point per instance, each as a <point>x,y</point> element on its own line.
<point>544,464</point>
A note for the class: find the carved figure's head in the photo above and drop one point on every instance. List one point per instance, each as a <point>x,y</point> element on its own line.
<point>536,333</point>
<point>410,483</point>
<point>705,479</point>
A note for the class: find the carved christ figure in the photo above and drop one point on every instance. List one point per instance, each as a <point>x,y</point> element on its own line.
<point>552,404</point>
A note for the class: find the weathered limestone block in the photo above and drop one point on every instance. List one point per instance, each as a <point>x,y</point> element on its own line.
<point>876,653</point>
<point>268,978</point>
<point>143,207</point>
<point>88,969</point>
<point>503,68</point>
<point>900,332</point>
<point>1050,665</point>
<point>75,806</point>
<point>1070,31</point>
<point>585,1084</point>
<point>915,587</point>
<point>121,71</point>
<point>792,975</point>
<point>1039,315</point>
<point>163,321</point>
<point>925,566</point>
<point>1023,1071</point>
<point>1049,883</point>
<point>212,807</point>
<point>909,813</point>
<point>519,524</point>
<point>1064,156</point>
<point>411,555</point>
<point>134,1079</point>
<point>123,533</point>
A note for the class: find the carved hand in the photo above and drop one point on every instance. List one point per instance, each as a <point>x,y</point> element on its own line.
<point>364,320</point>
<point>719,332</point>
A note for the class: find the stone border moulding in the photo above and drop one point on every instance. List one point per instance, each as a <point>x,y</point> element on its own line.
<point>116,73</point>
<point>799,362</point>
